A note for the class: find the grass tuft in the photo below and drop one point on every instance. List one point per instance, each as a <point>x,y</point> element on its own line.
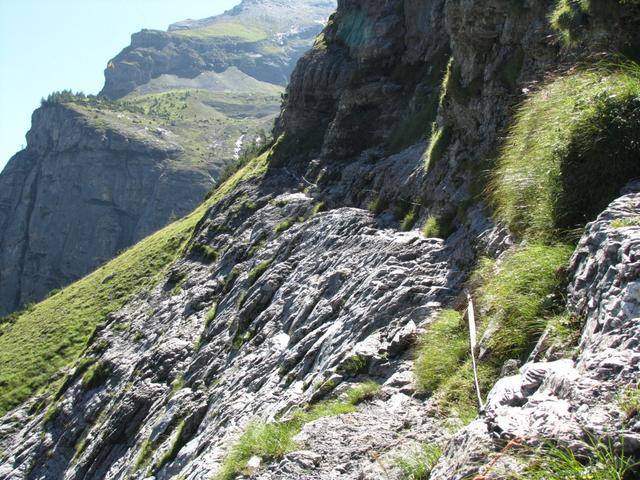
<point>272,441</point>
<point>259,270</point>
<point>443,349</point>
<point>572,147</point>
<point>418,465</point>
<point>521,295</point>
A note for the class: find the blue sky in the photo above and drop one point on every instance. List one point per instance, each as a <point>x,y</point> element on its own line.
<point>50,45</point>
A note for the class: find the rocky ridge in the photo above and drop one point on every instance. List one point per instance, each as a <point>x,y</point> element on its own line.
<point>138,163</point>
<point>299,305</point>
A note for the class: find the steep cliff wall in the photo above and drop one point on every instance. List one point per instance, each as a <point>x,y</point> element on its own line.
<point>78,195</point>
<point>262,38</point>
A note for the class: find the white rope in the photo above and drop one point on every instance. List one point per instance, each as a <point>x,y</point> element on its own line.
<point>471,316</point>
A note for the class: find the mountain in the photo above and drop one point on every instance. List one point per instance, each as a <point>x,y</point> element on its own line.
<point>440,168</point>
<point>101,173</point>
<point>261,38</point>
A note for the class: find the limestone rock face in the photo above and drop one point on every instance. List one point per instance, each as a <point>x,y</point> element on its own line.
<point>76,196</point>
<point>263,39</point>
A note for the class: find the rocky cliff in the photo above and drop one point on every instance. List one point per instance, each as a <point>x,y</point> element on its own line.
<point>118,162</point>
<point>313,322</point>
<point>262,38</point>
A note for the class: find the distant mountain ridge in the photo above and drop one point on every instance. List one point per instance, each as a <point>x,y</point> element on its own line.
<point>100,173</point>
<point>262,38</point>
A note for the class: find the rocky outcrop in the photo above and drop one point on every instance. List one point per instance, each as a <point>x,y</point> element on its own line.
<point>77,195</point>
<point>275,304</point>
<point>262,38</point>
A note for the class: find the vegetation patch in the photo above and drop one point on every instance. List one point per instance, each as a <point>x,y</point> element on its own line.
<point>410,219</point>
<point>443,349</point>
<point>378,205</point>
<point>521,296</point>
<point>259,270</point>
<point>353,365</point>
<point>625,222</point>
<point>603,463</point>
<point>572,147</point>
<point>287,224</point>
<point>431,228</point>
<point>207,252</point>
<point>50,335</point>
<point>95,376</point>
<point>629,401</point>
<point>440,141</point>
<point>418,464</point>
<point>272,441</point>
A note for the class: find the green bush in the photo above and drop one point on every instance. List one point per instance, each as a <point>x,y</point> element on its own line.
<point>520,297</point>
<point>625,222</point>
<point>573,145</point>
<point>443,349</point>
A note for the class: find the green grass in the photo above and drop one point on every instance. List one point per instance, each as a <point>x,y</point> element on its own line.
<point>228,29</point>
<point>625,222</point>
<point>53,333</point>
<point>629,401</point>
<point>177,441</point>
<point>521,295</point>
<point>286,224</point>
<point>95,376</point>
<point>259,270</point>
<point>377,205</point>
<point>438,145</point>
<point>573,145</point>
<point>443,349</point>
<point>570,17</point>
<point>272,441</point>
<point>551,462</point>
<point>431,228</point>
<point>418,465</point>
<point>208,253</point>
<point>410,219</point>
<point>353,365</point>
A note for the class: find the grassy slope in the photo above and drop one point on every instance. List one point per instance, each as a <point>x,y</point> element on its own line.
<point>572,147</point>
<point>227,28</point>
<point>53,333</point>
<point>205,124</point>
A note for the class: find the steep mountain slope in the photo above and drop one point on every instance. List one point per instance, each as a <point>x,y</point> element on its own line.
<point>99,175</point>
<point>279,342</point>
<point>261,38</point>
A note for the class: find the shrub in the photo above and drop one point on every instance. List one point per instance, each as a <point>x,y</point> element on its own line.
<point>519,297</point>
<point>418,465</point>
<point>573,145</point>
<point>443,348</point>
<point>362,392</point>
